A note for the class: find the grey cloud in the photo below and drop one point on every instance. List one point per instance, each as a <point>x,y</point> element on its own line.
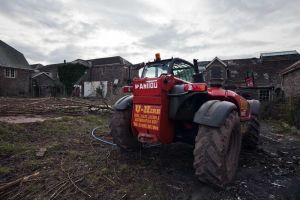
<point>245,15</point>
<point>69,52</point>
<point>44,16</point>
<point>53,23</point>
<point>126,15</point>
<point>34,54</point>
<point>168,37</point>
<point>30,11</point>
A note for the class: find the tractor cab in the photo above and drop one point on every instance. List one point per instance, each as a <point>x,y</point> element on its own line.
<point>180,68</point>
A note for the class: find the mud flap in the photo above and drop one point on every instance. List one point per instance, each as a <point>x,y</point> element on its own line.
<point>213,113</point>
<point>123,103</point>
<point>254,106</point>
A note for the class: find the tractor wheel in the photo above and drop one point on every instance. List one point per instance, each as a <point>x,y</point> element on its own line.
<point>251,137</point>
<point>217,151</point>
<point>120,126</point>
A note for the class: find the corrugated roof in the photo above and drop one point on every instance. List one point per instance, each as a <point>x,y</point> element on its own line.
<point>279,53</point>
<point>10,57</point>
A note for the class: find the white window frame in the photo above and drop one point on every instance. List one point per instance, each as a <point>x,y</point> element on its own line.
<point>10,73</point>
<point>262,95</point>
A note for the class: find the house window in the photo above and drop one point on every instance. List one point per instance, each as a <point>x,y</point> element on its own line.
<point>10,73</point>
<point>264,95</point>
<point>216,72</point>
<point>7,73</point>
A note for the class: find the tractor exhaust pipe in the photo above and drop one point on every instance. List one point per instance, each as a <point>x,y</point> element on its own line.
<point>198,77</point>
<point>196,66</point>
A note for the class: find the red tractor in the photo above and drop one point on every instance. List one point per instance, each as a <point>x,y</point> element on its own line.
<point>169,103</point>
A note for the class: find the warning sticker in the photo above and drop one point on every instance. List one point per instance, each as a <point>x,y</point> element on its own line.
<point>146,116</point>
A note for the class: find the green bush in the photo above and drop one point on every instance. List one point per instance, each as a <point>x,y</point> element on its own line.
<point>69,74</point>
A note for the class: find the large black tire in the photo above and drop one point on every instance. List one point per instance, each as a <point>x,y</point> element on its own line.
<point>217,151</point>
<point>251,136</point>
<point>120,126</point>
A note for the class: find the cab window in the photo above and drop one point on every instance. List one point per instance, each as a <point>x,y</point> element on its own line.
<point>155,70</point>
<point>183,71</point>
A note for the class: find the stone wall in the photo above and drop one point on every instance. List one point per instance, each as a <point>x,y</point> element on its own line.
<point>291,83</point>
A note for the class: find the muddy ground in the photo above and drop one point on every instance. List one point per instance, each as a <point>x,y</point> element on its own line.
<point>73,165</point>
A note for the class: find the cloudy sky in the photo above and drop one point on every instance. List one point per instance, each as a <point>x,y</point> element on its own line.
<point>49,31</point>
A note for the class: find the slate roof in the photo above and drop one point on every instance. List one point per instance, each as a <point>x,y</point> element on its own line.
<point>266,72</point>
<point>291,68</point>
<point>10,57</point>
<point>41,73</point>
<point>279,53</point>
<point>95,62</point>
<point>109,60</point>
<point>36,66</point>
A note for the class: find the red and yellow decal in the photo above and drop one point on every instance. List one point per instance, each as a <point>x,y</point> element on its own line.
<point>146,116</point>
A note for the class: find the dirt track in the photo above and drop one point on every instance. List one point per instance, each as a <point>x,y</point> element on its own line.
<point>75,166</point>
<point>50,106</point>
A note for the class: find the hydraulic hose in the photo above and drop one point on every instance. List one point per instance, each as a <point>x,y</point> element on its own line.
<point>100,139</point>
<point>113,144</point>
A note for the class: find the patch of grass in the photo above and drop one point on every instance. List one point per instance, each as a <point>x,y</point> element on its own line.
<point>7,149</point>
<point>5,170</point>
<point>94,119</point>
<point>55,147</point>
<point>9,132</point>
<point>33,164</point>
<point>124,168</point>
<point>4,130</point>
<point>280,126</point>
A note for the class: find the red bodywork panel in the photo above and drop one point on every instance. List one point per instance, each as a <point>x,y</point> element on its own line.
<point>228,95</point>
<point>150,115</point>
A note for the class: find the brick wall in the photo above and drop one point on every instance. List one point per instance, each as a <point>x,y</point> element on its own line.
<point>110,73</point>
<point>18,86</point>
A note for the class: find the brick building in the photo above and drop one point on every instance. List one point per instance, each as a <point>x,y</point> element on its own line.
<point>15,72</point>
<point>45,81</point>
<point>112,71</point>
<point>257,78</point>
<point>291,80</point>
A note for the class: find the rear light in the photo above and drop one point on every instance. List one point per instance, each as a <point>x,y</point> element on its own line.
<point>127,89</point>
<point>195,87</point>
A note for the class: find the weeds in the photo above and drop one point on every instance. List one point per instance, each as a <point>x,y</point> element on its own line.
<point>7,149</point>
<point>5,170</point>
